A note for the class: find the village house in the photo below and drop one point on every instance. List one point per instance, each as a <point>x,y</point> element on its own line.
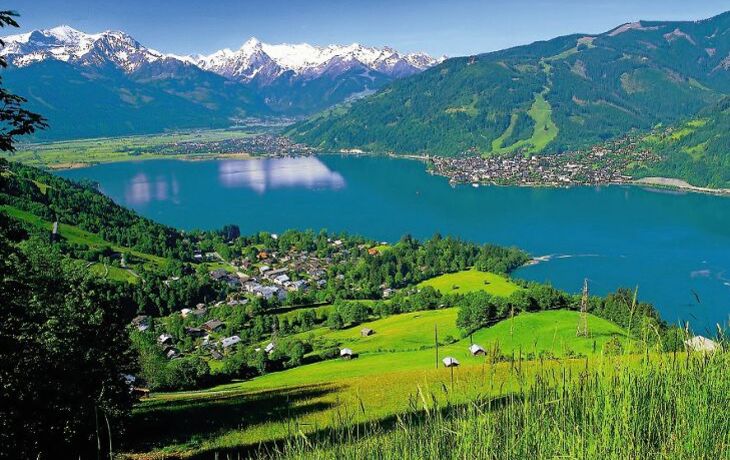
<point>165,339</point>
<point>366,331</point>
<point>213,325</point>
<point>230,341</point>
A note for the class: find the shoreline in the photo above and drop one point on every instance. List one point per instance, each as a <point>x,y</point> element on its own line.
<point>659,183</point>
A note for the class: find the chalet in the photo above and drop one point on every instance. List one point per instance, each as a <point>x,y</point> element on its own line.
<point>373,252</point>
<point>477,350</point>
<point>388,293</point>
<point>700,343</point>
<point>366,331</point>
<point>230,341</point>
<point>165,339</point>
<point>185,312</point>
<point>213,325</point>
<point>450,362</point>
<point>270,347</point>
<point>264,268</point>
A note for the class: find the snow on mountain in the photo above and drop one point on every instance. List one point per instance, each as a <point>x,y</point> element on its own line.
<point>67,44</point>
<point>257,60</point>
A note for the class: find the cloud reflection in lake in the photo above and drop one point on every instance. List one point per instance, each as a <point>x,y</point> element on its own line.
<point>270,174</point>
<point>141,189</point>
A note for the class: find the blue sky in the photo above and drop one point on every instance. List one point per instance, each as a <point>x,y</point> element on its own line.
<point>452,27</point>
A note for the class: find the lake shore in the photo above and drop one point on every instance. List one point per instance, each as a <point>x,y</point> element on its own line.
<point>678,184</point>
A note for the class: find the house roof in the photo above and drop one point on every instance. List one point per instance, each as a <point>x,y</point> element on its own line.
<point>474,348</point>
<point>450,362</point>
<point>345,352</point>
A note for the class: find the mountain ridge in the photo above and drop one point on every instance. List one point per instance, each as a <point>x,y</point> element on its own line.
<point>548,96</point>
<point>145,90</point>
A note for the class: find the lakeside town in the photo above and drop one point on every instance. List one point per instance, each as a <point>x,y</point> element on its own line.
<point>607,163</point>
<point>255,145</point>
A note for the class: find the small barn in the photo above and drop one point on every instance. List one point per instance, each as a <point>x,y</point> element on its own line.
<point>477,350</point>
<point>346,353</point>
<point>366,331</point>
<point>450,362</point>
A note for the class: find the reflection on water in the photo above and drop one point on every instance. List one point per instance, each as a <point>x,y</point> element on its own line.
<point>141,189</point>
<point>266,174</point>
<point>257,175</point>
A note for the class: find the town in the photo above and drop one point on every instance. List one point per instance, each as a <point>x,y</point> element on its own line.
<point>608,163</point>
<point>255,145</point>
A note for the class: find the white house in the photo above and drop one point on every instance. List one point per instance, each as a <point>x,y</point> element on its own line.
<point>230,341</point>
<point>270,347</point>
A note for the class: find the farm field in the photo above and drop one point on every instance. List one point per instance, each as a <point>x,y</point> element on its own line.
<point>75,153</point>
<point>470,281</point>
<point>376,385</point>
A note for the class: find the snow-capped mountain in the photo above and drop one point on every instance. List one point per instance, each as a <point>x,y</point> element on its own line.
<point>265,62</point>
<point>253,61</point>
<point>67,44</point>
<point>108,83</point>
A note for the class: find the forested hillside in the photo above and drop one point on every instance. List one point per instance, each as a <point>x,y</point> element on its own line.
<point>552,96</point>
<point>697,150</point>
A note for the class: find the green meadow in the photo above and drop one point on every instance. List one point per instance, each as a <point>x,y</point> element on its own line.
<point>470,281</point>
<point>65,154</point>
<point>395,366</point>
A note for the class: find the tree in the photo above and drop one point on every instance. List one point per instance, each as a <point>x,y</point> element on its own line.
<point>14,120</point>
<point>64,351</point>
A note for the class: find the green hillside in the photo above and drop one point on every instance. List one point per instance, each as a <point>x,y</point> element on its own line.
<point>695,150</point>
<point>565,93</point>
<point>470,281</point>
<point>374,386</point>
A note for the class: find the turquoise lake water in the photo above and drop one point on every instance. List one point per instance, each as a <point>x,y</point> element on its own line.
<point>674,246</point>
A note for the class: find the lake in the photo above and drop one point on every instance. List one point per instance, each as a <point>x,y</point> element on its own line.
<point>674,246</point>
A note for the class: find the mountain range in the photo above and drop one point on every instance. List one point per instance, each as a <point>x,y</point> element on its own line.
<point>110,84</point>
<point>549,96</point>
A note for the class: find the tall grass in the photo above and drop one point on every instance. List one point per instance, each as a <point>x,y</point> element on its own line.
<point>669,407</point>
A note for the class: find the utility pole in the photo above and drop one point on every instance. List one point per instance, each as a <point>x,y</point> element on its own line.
<point>436,341</point>
<point>583,320</point>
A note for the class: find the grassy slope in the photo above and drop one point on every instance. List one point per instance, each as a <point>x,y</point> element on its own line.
<point>545,130</point>
<point>371,387</point>
<point>472,280</point>
<point>75,235</point>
